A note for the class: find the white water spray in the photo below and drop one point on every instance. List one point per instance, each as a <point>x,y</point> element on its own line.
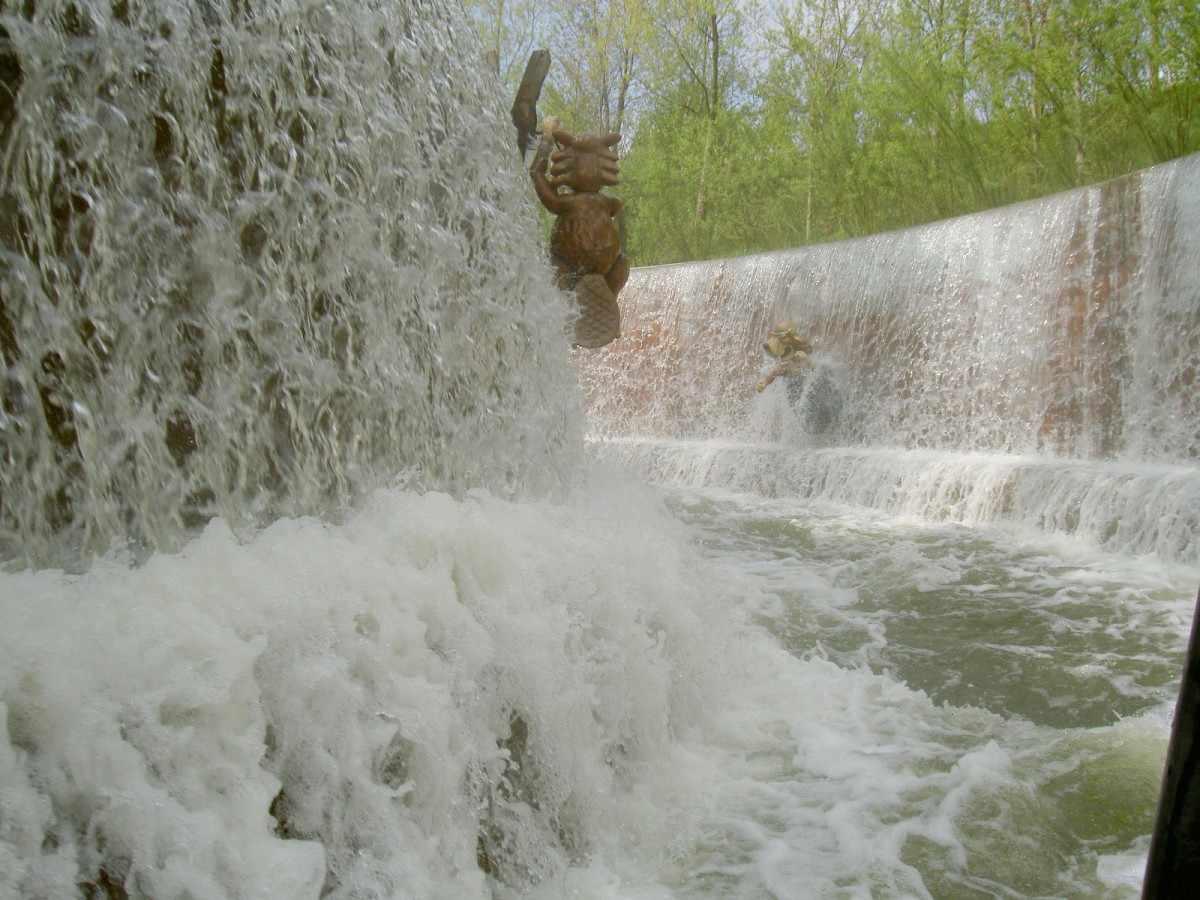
<point>250,270</point>
<point>260,258</point>
<point>1036,364</point>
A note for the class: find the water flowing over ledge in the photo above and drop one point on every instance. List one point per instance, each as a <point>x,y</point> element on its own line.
<point>1060,337</point>
<point>257,260</point>
<point>249,270</point>
<point>1128,509</point>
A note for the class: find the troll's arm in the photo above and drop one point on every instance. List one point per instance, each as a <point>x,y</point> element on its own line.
<point>793,366</point>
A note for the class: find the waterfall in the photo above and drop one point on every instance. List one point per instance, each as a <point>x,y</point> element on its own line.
<point>260,258</point>
<point>311,590</point>
<point>294,602</point>
<point>1038,362</point>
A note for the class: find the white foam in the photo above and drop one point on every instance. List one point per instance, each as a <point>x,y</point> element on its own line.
<point>374,670</point>
<point>480,697</point>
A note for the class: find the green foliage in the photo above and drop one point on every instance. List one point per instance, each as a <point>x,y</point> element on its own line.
<point>839,118</point>
<point>680,208</point>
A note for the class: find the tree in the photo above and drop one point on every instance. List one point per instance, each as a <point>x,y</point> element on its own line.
<point>600,47</point>
<point>821,48</point>
<point>510,31</point>
<point>1148,56</point>
<point>690,150</point>
<point>863,115</point>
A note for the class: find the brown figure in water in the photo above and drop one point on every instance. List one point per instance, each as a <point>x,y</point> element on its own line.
<point>813,391</point>
<point>585,246</point>
<point>791,349</point>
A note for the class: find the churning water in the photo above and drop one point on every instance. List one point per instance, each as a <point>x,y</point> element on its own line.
<point>313,588</point>
<point>979,521</point>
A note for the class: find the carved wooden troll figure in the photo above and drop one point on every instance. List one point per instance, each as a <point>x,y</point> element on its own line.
<point>585,246</point>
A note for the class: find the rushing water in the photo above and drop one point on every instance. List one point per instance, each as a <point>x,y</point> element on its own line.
<point>312,589</point>
<point>987,495</point>
<point>1038,363</point>
<point>259,257</point>
<point>1013,744</point>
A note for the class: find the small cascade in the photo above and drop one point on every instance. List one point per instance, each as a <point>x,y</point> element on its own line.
<point>1061,335</point>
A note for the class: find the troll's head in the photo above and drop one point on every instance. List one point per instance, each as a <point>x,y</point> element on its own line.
<point>586,162</point>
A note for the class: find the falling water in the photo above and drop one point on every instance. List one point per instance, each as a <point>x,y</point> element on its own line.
<point>311,589</point>
<point>258,260</point>
<point>1038,363</point>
